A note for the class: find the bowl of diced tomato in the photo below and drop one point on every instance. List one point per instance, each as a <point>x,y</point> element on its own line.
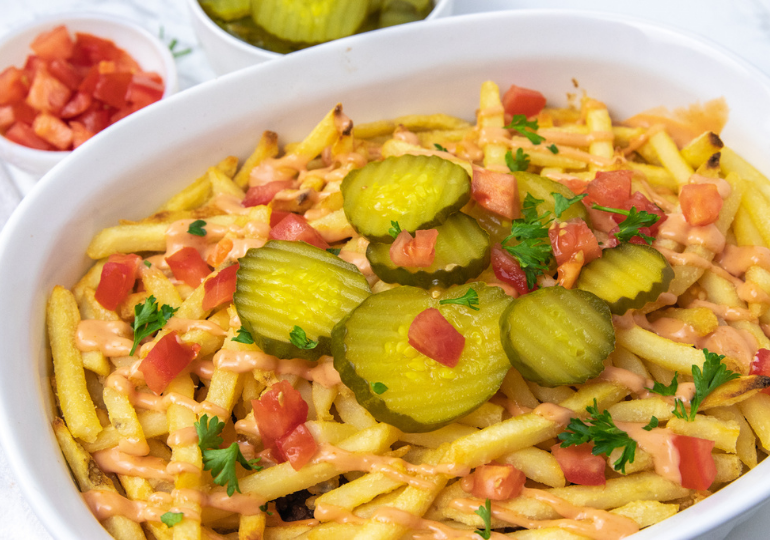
<point>67,78</point>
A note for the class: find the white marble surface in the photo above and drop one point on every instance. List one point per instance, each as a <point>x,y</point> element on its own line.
<point>741,26</point>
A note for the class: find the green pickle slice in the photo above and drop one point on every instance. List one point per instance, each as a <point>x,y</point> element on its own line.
<point>286,284</point>
<point>312,21</point>
<point>627,276</point>
<point>541,187</point>
<point>556,336</point>
<point>371,345</point>
<point>462,253</point>
<point>418,192</point>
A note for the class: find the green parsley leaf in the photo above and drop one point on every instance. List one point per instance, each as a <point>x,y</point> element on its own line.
<point>440,148</point>
<point>221,461</point>
<point>533,252</point>
<point>244,336</point>
<point>172,518</point>
<point>563,203</point>
<point>148,319</point>
<point>485,512</point>
<point>395,229</point>
<point>334,251</point>
<point>664,390</point>
<point>196,228</point>
<point>652,425</point>
<point>518,163</point>
<point>629,227</point>
<point>714,374</point>
<point>528,129</point>
<point>300,340</point>
<point>469,299</point>
<point>600,429</point>
<point>379,388</point>
<point>264,509</point>
<point>148,264</point>
<point>177,54</point>
<point>553,148</point>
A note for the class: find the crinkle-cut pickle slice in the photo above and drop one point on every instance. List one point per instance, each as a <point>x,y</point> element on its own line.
<point>462,253</point>
<point>627,276</point>
<point>556,336</point>
<point>286,284</point>
<point>541,187</point>
<point>309,21</point>
<point>371,345</point>
<point>418,192</point>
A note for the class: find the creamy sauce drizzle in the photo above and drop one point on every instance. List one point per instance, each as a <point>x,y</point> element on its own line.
<point>322,372</point>
<point>677,229</point>
<point>112,338</point>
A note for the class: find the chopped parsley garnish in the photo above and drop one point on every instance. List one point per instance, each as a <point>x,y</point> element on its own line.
<point>148,264</point>
<point>485,512</point>
<point>528,129</point>
<point>652,425</point>
<point>395,229</point>
<point>440,148</point>
<point>172,518</point>
<point>663,390</point>
<point>562,203</point>
<point>264,509</point>
<point>553,148</point>
<point>334,251</point>
<point>300,340</point>
<point>469,299</point>
<point>221,461</point>
<point>714,374</point>
<point>602,431</point>
<point>244,336</point>
<point>518,163</point>
<point>379,388</point>
<point>196,228</point>
<point>635,220</point>
<point>148,319</point>
<point>533,252</point>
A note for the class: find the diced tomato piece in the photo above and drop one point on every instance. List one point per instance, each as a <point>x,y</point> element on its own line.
<point>278,411</point>
<point>51,129</point>
<point>295,228</point>
<point>575,185</point>
<point>119,274</point>
<point>417,252</point>
<point>435,337</point>
<point>122,113</point>
<point>696,464</point>
<point>700,203</point>
<point>508,270</point>
<point>220,288</point>
<point>188,266</point>
<point>579,465</point>
<point>23,134</point>
<point>47,93</point>
<point>95,119</point>
<point>88,84</point>
<point>18,112</point>
<point>570,237</point>
<point>90,50</point>
<point>642,203</point>
<point>167,359</point>
<point>297,447</point>
<point>32,65</point>
<point>760,365</point>
<point>65,73</point>
<point>144,89</point>
<point>608,188</point>
<point>111,88</point>
<point>518,100</point>
<point>6,117</point>
<point>79,134</point>
<point>276,216</point>
<point>77,105</point>
<point>13,86</point>
<point>496,191</point>
<point>263,194</point>
<point>55,44</point>
<point>495,482</point>
<point>220,252</point>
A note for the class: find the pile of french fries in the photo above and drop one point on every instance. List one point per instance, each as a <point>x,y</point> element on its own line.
<point>94,417</point>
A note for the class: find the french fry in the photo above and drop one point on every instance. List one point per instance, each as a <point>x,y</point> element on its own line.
<point>128,239</point>
<point>598,119</point>
<point>756,410</point>
<point>491,118</point>
<point>193,196</point>
<point>646,513</point>
<point>746,445</point>
<point>153,423</point>
<point>77,407</point>
<point>669,156</point>
<point>486,415</point>
<point>724,433</point>
<point>351,412</point>
<point>659,350</point>
<point>700,149</point>
<point>267,147</point>
<point>434,439</point>
<point>536,464</point>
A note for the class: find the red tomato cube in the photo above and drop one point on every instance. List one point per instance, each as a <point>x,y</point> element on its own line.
<point>508,270</point>
<point>263,194</point>
<point>518,100</point>
<point>297,447</point>
<point>188,266</point>
<point>570,238</point>
<point>220,288</point>
<point>701,203</point>
<point>51,129</point>
<point>79,134</point>
<point>579,465</point>
<point>278,411</point>
<point>435,337</point>
<point>117,280</point>
<point>295,228</point>
<point>111,88</point>
<point>696,464</point>
<point>495,482</point>
<point>13,86</point>
<point>54,44</point>
<point>497,192</point>
<point>167,359</point>
<point>47,93</point>
<point>417,252</point>
<point>23,134</point>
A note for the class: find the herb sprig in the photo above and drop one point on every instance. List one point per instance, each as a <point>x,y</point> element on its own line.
<point>196,228</point>
<point>533,252</point>
<point>300,340</point>
<point>148,319</point>
<point>172,518</point>
<point>379,388</point>
<point>527,128</point>
<point>635,220</point>
<point>244,336</point>
<point>485,512</point>
<point>562,203</point>
<point>602,431</point>
<point>221,461</point>
<point>713,375</point>
<point>395,229</point>
<point>469,299</point>
<point>518,163</point>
